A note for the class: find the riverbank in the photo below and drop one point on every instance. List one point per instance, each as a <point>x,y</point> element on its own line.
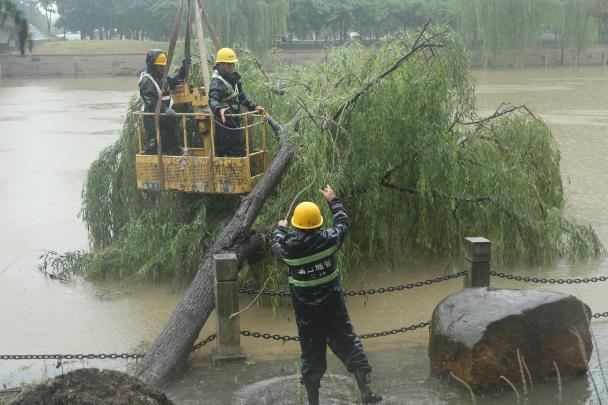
<point>78,59</point>
<point>127,58</point>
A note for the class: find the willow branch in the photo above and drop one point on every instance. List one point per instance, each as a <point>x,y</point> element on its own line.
<point>487,121</point>
<point>417,46</point>
<point>256,62</point>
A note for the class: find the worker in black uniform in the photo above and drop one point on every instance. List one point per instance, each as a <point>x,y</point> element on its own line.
<point>226,96</point>
<point>151,87</point>
<point>316,291</point>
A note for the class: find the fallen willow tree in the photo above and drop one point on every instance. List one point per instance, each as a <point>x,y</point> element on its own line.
<point>393,129</point>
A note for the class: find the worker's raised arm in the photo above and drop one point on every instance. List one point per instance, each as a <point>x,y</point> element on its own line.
<point>340,221</point>
<point>278,236</point>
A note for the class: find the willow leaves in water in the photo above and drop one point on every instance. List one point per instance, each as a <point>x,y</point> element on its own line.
<point>416,168</point>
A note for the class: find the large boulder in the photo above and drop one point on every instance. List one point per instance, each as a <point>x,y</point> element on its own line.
<point>476,334</point>
<point>89,386</point>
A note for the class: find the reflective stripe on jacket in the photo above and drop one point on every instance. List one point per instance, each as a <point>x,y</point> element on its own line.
<point>150,90</point>
<point>311,256</point>
<point>225,93</point>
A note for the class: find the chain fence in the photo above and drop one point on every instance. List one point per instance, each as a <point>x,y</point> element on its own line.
<point>99,356</point>
<point>527,279</point>
<point>288,338</point>
<point>365,292</point>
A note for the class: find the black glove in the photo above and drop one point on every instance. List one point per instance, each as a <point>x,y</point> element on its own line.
<point>170,113</point>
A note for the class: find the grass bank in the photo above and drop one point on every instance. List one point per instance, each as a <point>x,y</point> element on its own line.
<point>107,47</point>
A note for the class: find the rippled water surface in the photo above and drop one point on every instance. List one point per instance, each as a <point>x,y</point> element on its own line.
<point>51,130</point>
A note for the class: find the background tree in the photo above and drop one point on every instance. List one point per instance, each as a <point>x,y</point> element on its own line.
<point>9,10</point>
<point>49,9</point>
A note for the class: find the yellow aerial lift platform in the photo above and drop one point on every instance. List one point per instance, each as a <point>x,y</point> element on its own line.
<point>197,169</point>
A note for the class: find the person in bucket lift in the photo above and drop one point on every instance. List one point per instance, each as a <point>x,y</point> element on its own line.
<point>150,89</point>
<point>226,96</point>
<point>316,291</point>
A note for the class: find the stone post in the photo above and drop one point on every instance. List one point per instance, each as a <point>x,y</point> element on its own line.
<point>477,252</point>
<point>228,339</point>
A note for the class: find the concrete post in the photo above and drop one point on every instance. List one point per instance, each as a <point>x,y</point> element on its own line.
<point>477,253</point>
<point>228,339</point>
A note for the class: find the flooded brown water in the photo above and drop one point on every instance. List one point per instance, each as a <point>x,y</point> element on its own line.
<point>51,130</point>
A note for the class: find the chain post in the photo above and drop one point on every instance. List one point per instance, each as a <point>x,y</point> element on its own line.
<point>228,347</point>
<point>477,261</point>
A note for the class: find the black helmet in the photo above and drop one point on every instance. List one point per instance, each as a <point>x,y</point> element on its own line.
<point>151,58</point>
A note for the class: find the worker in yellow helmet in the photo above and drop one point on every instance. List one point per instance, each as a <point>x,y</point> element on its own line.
<point>317,296</point>
<point>151,87</point>
<point>226,96</point>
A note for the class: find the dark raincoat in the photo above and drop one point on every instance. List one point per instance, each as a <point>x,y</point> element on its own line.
<point>226,91</point>
<point>149,89</point>
<point>317,296</point>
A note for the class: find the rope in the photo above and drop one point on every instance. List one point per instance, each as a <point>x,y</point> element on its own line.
<point>254,299</point>
<point>238,128</point>
<point>314,179</point>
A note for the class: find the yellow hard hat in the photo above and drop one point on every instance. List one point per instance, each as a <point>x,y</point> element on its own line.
<point>307,215</point>
<point>161,59</point>
<point>226,55</point>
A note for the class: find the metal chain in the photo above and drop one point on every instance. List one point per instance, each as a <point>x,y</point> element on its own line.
<point>209,339</point>
<point>395,331</point>
<point>269,293</point>
<point>368,291</point>
<point>550,280</point>
<point>288,338</point>
<point>408,286</point>
<point>268,336</point>
<point>203,342</point>
<point>102,356</point>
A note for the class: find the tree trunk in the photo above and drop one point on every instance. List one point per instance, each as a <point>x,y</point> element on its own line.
<point>170,350</point>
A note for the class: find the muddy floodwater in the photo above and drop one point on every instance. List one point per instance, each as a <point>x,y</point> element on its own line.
<point>51,130</point>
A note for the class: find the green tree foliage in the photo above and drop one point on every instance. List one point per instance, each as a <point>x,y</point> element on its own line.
<point>253,23</point>
<point>250,22</point>
<point>136,19</point>
<point>514,25</point>
<point>416,168</point>
<point>370,18</point>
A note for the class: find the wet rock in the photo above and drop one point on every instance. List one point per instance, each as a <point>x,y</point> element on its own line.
<point>476,334</point>
<point>92,386</point>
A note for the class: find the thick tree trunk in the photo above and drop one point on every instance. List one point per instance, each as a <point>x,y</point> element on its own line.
<point>169,353</point>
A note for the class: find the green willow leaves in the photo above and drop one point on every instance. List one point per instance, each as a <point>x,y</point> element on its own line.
<point>416,168</point>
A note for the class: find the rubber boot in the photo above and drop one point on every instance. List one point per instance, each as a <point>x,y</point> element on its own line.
<point>367,396</point>
<point>313,395</point>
